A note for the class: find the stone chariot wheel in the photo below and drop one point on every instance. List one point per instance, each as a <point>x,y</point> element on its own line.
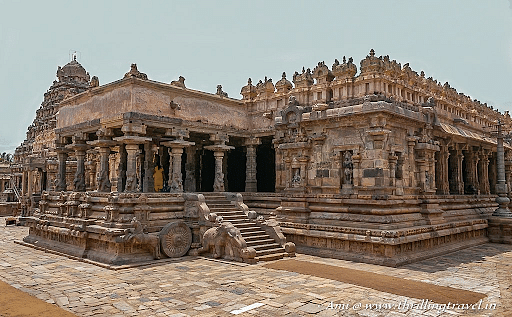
<point>175,239</point>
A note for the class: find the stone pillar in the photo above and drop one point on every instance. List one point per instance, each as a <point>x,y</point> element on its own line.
<point>121,179</point>
<point>132,151</point>
<point>444,183</point>
<point>393,159</point>
<point>103,180</point>
<point>132,142</point>
<point>149,183</point>
<point>23,183</point>
<point>30,183</point>
<point>190,165</point>
<point>175,152</point>
<point>250,169</point>
<point>484,174</point>
<point>219,148</point>
<point>459,178</point>
<point>61,174</point>
<point>472,175</point>
<point>79,181</point>
<point>501,186</point>
<point>218,184</point>
<point>411,142</point>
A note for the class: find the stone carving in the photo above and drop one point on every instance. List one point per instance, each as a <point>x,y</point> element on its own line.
<point>226,241</point>
<point>134,72</point>
<point>296,179</point>
<point>179,83</point>
<point>95,82</point>
<point>347,168</point>
<point>175,239</point>
<point>103,181</point>
<point>136,235</point>
<point>220,92</point>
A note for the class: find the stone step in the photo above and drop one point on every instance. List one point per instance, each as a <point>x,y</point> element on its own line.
<point>269,251</point>
<point>270,257</point>
<point>259,242</point>
<point>252,230</point>
<point>228,212</point>
<point>267,246</point>
<point>218,205</point>
<point>255,237</point>
<point>228,217</point>
<point>242,224</point>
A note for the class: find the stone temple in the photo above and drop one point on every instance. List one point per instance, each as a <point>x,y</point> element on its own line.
<point>383,166</point>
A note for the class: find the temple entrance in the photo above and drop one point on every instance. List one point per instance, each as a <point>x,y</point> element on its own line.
<point>207,171</point>
<point>266,166</point>
<point>236,161</point>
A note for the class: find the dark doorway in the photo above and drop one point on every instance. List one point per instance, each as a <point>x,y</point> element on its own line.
<point>207,168</point>
<point>44,181</point>
<point>266,167</point>
<point>236,162</point>
<point>452,172</point>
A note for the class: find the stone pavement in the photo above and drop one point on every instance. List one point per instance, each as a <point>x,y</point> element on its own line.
<point>194,286</point>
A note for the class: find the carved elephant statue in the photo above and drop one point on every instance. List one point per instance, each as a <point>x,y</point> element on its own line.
<point>226,241</point>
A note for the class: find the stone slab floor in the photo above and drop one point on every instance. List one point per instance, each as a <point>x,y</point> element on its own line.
<point>201,287</point>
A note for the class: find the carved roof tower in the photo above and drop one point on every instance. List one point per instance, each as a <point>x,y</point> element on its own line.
<point>72,79</point>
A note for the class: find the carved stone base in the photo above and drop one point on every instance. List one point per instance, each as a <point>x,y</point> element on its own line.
<point>500,230</point>
<point>383,250</point>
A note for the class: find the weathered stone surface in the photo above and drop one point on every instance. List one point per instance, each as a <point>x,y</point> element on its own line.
<point>383,166</point>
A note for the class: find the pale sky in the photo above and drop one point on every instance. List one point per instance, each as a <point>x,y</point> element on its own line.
<point>467,43</point>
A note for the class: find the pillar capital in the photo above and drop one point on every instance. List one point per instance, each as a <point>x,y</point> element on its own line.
<point>132,139</point>
<point>252,141</point>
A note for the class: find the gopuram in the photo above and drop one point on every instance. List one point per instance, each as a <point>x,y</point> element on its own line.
<point>383,166</point>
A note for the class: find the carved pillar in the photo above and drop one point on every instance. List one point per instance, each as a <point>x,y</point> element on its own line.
<point>426,166</point>
<point>484,173</point>
<point>62,156</point>
<point>190,173</point>
<point>411,142</point>
<point>149,183</point>
<point>132,151</point>
<point>103,180</point>
<point>30,182</point>
<point>250,169</point>
<point>79,181</point>
<point>393,159</point>
<point>121,179</point>
<point>459,178</point>
<point>444,183</point>
<point>23,183</point>
<point>175,152</point>
<point>79,147</point>
<point>219,148</point>
<point>501,186</point>
<point>218,184</point>
<point>471,172</point>
<point>132,141</point>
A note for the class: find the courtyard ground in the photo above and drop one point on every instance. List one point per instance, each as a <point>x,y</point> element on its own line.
<point>195,286</point>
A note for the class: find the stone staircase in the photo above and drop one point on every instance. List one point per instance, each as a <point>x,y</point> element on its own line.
<point>266,248</point>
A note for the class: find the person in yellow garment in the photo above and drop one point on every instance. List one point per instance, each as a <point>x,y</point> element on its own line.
<point>158,176</point>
